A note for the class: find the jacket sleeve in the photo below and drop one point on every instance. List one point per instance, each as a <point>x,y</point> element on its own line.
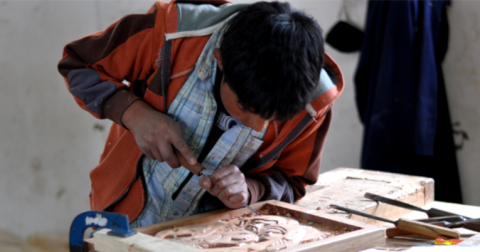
<point>96,66</point>
<point>297,166</point>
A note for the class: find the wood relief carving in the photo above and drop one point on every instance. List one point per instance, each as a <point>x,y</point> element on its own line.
<point>250,233</point>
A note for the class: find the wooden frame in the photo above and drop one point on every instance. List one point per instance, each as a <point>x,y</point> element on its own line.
<point>361,236</point>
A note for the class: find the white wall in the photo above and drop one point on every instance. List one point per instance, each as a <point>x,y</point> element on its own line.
<point>462,77</point>
<point>48,144</point>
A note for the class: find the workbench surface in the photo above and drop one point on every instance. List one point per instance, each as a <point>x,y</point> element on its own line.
<point>470,237</point>
<point>346,187</point>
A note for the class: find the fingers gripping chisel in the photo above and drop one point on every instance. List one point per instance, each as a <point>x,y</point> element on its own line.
<point>199,170</point>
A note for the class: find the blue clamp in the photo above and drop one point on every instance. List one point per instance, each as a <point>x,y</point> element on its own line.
<point>118,223</point>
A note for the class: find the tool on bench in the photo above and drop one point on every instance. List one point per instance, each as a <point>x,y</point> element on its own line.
<point>451,218</point>
<point>454,221</point>
<point>432,212</point>
<point>118,223</point>
<point>456,224</point>
<point>414,227</point>
<point>439,221</point>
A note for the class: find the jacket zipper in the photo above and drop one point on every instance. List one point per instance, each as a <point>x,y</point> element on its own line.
<point>139,166</point>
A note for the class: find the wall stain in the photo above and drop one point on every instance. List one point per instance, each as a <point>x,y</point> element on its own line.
<point>36,164</point>
<point>4,21</point>
<point>475,30</point>
<point>459,135</point>
<point>99,127</point>
<point>38,185</point>
<point>60,192</point>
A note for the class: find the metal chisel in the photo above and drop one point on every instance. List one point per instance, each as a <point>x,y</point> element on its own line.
<point>250,208</point>
<point>432,212</point>
<point>414,227</point>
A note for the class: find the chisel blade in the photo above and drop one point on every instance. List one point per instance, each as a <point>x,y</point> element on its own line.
<point>250,208</point>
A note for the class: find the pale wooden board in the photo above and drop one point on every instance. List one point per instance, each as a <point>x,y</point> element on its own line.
<point>349,242</point>
<point>47,242</point>
<point>465,210</point>
<point>346,187</point>
<point>364,236</point>
<point>10,243</point>
<point>138,243</point>
<point>472,241</point>
<point>8,239</point>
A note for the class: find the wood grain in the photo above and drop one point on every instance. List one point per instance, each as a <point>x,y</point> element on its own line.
<point>137,243</point>
<point>346,187</point>
<point>427,229</point>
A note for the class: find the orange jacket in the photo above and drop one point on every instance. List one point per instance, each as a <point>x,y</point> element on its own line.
<point>135,49</point>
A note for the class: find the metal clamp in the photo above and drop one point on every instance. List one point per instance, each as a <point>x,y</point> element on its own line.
<point>118,223</point>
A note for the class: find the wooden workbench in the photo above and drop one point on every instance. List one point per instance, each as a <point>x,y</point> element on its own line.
<point>358,237</point>
<point>346,187</point>
<point>470,237</point>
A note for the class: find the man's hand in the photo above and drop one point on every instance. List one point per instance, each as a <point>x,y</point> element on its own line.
<point>228,184</point>
<point>156,134</point>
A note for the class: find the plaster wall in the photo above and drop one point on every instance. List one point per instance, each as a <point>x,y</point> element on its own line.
<point>462,79</point>
<point>48,145</point>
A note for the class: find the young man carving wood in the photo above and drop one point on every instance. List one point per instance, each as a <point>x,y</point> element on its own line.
<point>244,89</point>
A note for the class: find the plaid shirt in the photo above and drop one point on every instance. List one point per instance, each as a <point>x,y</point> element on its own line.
<point>194,108</point>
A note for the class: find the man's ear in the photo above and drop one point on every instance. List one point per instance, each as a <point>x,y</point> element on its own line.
<point>218,57</point>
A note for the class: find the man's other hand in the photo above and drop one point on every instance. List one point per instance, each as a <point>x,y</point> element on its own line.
<point>228,184</point>
<point>157,134</point>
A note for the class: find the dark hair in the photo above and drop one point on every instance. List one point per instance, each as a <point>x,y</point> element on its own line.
<point>272,56</point>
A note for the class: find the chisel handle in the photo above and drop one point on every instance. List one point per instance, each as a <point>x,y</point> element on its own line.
<point>434,212</point>
<point>451,218</point>
<point>196,169</point>
<point>426,229</point>
<point>414,227</point>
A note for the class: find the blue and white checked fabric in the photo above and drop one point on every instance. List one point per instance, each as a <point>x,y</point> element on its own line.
<point>194,108</point>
